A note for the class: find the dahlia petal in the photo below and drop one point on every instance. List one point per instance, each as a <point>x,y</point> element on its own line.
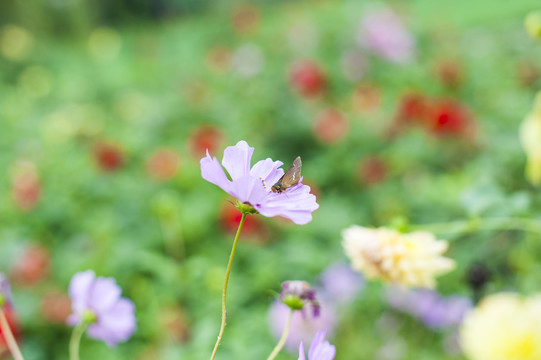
<point>103,295</point>
<point>212,171</point>
<point>237,159</point>
<point>79,289</point>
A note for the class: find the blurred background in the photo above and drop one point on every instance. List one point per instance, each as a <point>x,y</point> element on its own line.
<point>404,112</point>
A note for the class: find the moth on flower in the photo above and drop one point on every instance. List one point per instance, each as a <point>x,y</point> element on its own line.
<point>264,187</point>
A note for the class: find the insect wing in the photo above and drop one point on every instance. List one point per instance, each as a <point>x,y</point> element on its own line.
<point>292,175</point>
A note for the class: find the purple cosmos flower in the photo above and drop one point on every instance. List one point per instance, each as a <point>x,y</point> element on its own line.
<point>97,300</point>
<point>383,33</point>
<point>319,350</point>
<point>253,185</point>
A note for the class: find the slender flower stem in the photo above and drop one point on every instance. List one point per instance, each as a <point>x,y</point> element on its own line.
<point>75,340</point>
<point>477,224</point>
<point>8,335</point>
<point>283,339</point>
<point>226,281</point>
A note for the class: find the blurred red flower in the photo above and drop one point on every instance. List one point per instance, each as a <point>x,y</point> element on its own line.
<point>13,323</point>
<point>25,185</point>
<point>412,107</point>
<point>448,117</point>
<point>32,266</point>
<point>412,110</point>
<point>163,164</point>
<point>108,156</point>
<point>55,307</point>
<point>330,125</point>
<point>307,78</point>
<point>373,170</point>
<point>230,218</point>
<point>203,138</point>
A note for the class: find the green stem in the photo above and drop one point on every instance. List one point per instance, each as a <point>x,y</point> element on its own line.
<point>465,226</point>
<point>226,281</point>
<point>75,340</point>
<point>283,339</point>
<point>8,335</point>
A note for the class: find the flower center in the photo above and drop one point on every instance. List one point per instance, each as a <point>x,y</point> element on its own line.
<point>89,317</point>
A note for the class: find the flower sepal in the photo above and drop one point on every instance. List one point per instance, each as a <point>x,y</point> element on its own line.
<point>294,302</point>
<point>89,317</point>
<point>246,208</point>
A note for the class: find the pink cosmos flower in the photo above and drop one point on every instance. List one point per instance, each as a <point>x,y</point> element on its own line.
<point>319,350</point>
<point>253,185</point>
<point>97,301</point>
<point>384,33</point>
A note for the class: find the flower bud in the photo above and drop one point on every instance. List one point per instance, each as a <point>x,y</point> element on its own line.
<point>298,294</point>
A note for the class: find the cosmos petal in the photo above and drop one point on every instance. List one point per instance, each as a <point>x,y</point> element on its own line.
<point>212,171</point>
<point>268,170</point>
<point>237,159</point>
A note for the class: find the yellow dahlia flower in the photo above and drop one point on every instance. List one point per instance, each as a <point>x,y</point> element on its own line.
<point>503,327</point>
<point>412,259</point>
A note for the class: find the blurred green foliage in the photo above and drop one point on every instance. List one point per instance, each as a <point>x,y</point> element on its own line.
<point>76,74</point>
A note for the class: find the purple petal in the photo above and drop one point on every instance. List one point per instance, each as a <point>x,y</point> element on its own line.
<point>318,339</point>
<point>324,351</point>
<point>73,319</point>
<point>296,204</point>
<point>212,171</point>
<point>268,170</point>
<point>116,325</point>
<point>249,190</point>
<point>103,295</point>
<point>301,352</point>
<point>237,160</point>
<point>79,289</point>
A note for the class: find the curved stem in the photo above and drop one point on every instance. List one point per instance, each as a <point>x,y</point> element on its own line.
<point>226,281</point>
<point>464,226</point>
<point>75,340</point>
<point>283,339</point>
<point>8,335</point>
